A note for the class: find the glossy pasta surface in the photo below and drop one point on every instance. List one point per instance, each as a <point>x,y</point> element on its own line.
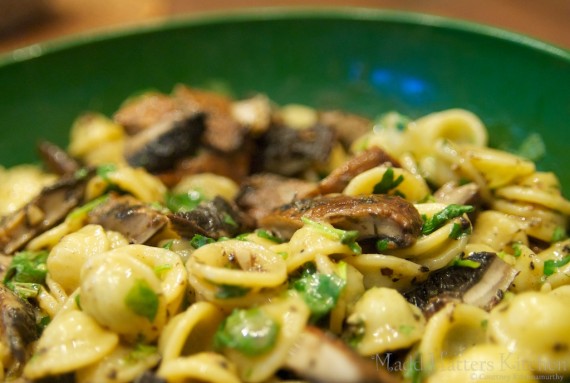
<point>222,240</point>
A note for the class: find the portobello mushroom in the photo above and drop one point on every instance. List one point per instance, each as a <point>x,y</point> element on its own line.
<point>377,216</point>
<point>260,193</point>
<point>339,178</point>
<point>125,214</point>
<point>482,286</point>
<point>45,211</point>
<point>348,126</point>
<point>288,152</point>
<point>56,159</point>
<point>18,330</point>
<point>215,219</point>
<point>158,147</point>
<point>321,358</point>
<point>451,193</point>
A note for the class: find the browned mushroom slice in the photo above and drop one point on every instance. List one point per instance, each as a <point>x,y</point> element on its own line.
<point>42,213</point>
<point>159,146</point>
<point>18,330</point>
<point>223,133</point>
<point>341,176</point>
<point>373,216</point>
<point>137,221</point>
<point>320,358</point>
<point>56,159</point>
<point>482,285</point>
<point>141,112</point>
<point>259,194</point>
<point>215,219</point>
<point>451,193</point>
<point>232,165</point>
<point>288,152</point>
<point>348,126</point>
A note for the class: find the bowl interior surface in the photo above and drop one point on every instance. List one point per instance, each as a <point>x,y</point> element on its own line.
<point>364,61</point>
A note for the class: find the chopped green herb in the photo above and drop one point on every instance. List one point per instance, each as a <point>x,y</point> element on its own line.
<point>551,266</point>
<point>26,273</point>
<point>532,148</point>
<point>103,171</point>
<point>183,202</point>
<point>267,235</point>
<point>406,329</point>
<point>142,300</point>
<point>243,236</point>
<point>387,182</point>
<point>354,332</point>
<point>283,254</point>
<point>140,352</point>
<point>78,301</point>
<point>413,370</point>
<point>82,211</point>
<point>81,173</point>
<point>249,331</point>
<point>229,220</point>
<point>319,291</point>
<point>198,241</point>
<point>383,244</point>
<point>484,324</point>
<point>26,290</point>
<point>160,269</point>
<point>462,262</point>
<point>458,231</point>
<point>168,244</point>
<point>231,291</point>
<point>43,322</point>
<point>559,234</point>
<point>345,237</point>
<point>517,250</point>
<point>440,218</point>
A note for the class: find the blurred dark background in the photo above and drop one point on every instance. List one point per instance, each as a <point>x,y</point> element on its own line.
<point>25,22</point>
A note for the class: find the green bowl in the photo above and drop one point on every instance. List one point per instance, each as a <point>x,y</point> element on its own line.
<point>366,61</point>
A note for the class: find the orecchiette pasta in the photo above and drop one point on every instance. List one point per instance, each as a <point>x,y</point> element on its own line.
<point>444,261</point>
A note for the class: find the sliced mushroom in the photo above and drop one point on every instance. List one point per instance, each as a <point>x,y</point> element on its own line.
<point>320,358</point>
<point>232,165</point>
<point>373,216</point>
<point>18,330</point>
<point>56,159</point>
<point>215,219</point>
<point>451,193</point>
<point>288,152</point>
<point>42,213</point>
<point>259,194</point>
<point>141,112</point>
<point>337,180</point>
<point>348,126</point>
<point>137,221</point>
<point>223,133</point>
<point>482,286</point>
<point>159,146</point>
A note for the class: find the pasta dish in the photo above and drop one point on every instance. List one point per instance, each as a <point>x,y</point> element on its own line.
<point>196,237</point>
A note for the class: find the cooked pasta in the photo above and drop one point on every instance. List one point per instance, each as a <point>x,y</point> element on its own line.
<point>221,240</point>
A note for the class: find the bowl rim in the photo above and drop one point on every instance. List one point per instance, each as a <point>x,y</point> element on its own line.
<point>279,13</point>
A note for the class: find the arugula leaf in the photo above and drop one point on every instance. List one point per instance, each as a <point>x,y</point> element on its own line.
<point>183,202</point>
<point>440,218</point>
<point>551,266</point>
<point>345,237</point>
<point>231,291</point>
<point>142,300</point>
<point>249,331</point>
<point>319,291</point>
<point>387,182</point>
<point>26,273</point>
<point>383,244</point>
